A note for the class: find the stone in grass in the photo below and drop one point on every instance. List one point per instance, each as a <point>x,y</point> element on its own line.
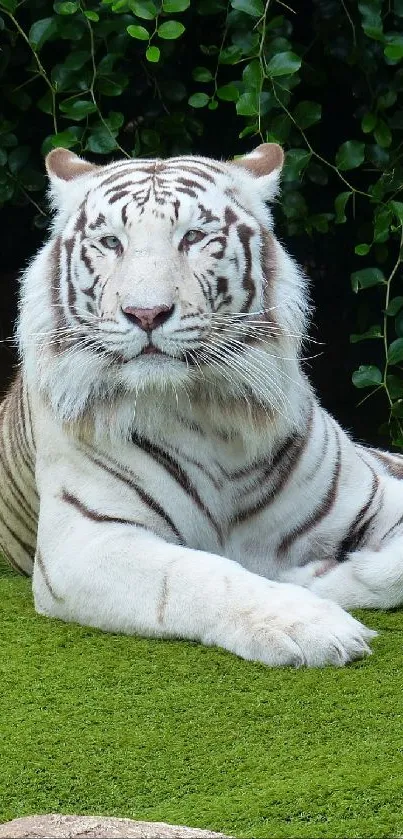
<point>55,826</point>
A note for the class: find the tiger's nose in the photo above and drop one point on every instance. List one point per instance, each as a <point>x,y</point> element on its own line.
<point>148,319</point>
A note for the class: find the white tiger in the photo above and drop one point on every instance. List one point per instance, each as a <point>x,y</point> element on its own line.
<point>164,460</point>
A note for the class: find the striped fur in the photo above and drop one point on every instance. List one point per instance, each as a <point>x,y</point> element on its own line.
<point>167,469</point>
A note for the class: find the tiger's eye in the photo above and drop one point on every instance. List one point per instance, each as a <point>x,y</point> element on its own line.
<point>193,236</point>
<point>111,242</point>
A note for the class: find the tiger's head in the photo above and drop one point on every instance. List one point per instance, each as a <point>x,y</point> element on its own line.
<point>158,274</point>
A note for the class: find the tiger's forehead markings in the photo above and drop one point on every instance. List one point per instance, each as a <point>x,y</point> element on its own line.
<point>206,214</point>
<point>99,222</point>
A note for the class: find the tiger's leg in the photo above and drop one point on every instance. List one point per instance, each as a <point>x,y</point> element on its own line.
<point>366,578</point>
<point>120,577</point>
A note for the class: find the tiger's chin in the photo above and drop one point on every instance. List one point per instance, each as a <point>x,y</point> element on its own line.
<point>152,370</point>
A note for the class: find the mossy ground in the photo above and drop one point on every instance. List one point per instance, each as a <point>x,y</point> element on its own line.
<point>171,731</point>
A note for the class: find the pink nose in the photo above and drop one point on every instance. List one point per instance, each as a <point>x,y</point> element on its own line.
<point>148,319</point>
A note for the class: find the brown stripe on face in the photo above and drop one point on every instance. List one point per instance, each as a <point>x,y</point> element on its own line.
<point>230,218</point>
<point>245,234</point>
<point>118,196</point>
<point>209,164</point>
<point>99,222</point>
<point>198,172</point>
<point>280,470</point>
<point>321,511</point>
<point>206,214</point>
<point>41,565</point>
<point>179,475</point>
<point>191,184</point>
<point>124,172</point>
<point>81,222</point>
<point>144,496</point>
<point>359,527</point>
<point>176,205</point>
<point>87,262</point>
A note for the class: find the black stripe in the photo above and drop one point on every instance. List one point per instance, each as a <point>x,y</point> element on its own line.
<point>322,510</point>
<point>178,474</point>
<point>144,496</point>
<point>93,514</point>
<point>284,462</point>
<point>358,528</point>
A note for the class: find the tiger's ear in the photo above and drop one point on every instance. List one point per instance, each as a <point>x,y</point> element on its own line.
<point>63,168</point>
<point>66,166</point>
<point>265,164</point>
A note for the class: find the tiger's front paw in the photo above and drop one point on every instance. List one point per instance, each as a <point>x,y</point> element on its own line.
<point>298,628</point>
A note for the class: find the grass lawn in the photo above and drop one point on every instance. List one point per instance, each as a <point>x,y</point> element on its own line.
<point>172,731</point>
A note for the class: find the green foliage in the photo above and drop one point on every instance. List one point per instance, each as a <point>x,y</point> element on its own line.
<point>140,77</point>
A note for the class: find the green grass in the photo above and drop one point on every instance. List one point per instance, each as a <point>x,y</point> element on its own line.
<point>172,731</point>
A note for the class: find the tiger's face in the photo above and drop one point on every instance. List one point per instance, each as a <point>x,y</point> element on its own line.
<point>158,271</point>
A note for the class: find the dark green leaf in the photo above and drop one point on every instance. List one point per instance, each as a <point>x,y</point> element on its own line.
<point>109,87</point>
<point>248,104</point>
<point>367,375</point>
<point>368,122</point>
<point>252,76</point>
<point>307,113</point>
<point>101,141</point>
<point>394,385</point>
<point>399,324</point>
<point>7,190</point>
<point>77,59</point>
<point>340,204</point>
<point>10,5</point>
<point>362,250</point>
<point>170,30</point>
<point>366,278</point>
<point>350,155</point>
<point>173,6</point>
<point>66,8</point>
<point>144,9</point>
<point>382,134</point>
<point>295,162</point>
<point>77,109</point>
<point>371,19</point>
<point>228,93</point>
<point>254,8</point>
<point>283,64</point>
<point>230,55</point>
<point>373,332</point>
<point>92,16</point>
<point>18,158</point>
<point>397,207</point>
<point>395,351</point>
<point>202,74</point>
<point>198,100</point>
<point>394,306</point>
<point>41,31</point>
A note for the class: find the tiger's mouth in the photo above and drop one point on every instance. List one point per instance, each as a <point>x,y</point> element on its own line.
<point>151,350</point>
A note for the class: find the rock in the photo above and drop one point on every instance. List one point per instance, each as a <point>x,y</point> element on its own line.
<point>55,826</point>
